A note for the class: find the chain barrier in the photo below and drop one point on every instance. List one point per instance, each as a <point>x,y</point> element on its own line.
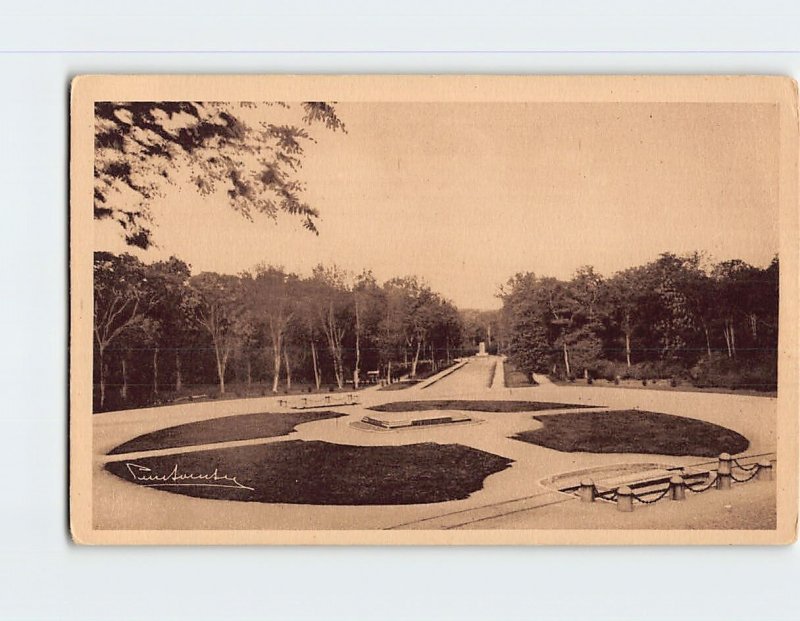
<point>654,500</point>
<point>747,478</point>
<point>745,468</point>
<point>713,477</point>
<point>700,489</point>
<point>609,495</point>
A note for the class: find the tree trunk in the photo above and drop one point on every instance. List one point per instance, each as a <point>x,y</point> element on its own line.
<point>155,371</point>
<point>389,373</point>
<point>334,334</point>
<point>566,361</point>
<point>727,330</point>
<point>339,369</point>
<point>317,378</point>
<point>249,372</point>
<point>708,341</point>
<point>288,369</point>
<point>220,369</point>
<point>276,368</point>
<point>357,368</point>
<point>178,377</point>
<point>101,352</point>
<point>752,318</point>
<point>416,360</point>
<point>124,391</point>
<point>727,339</point>
<point>628,348</point>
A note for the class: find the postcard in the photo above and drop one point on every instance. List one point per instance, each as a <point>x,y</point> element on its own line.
<point>433,309</point>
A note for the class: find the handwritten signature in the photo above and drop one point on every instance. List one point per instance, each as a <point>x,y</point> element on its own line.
<point>145,476</point>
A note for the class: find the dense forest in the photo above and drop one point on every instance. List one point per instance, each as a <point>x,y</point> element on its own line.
<point>163,334</point>
<point>675,318</point>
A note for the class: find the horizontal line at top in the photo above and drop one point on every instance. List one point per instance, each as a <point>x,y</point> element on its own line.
<point>364,52</point>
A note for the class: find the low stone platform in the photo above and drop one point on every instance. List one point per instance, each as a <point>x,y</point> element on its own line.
<point>388,422</point>
<point>319,401</point>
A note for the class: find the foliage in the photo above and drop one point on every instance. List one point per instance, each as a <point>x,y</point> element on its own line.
<point>171,331</point>
<point>661,320</point>
<point>735,374</point>
<point>141,146</point>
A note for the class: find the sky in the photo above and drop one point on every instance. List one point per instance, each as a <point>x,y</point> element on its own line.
<point>466,195</point>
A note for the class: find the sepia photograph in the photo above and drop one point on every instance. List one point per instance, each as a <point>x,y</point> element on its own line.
<point>433,310</point>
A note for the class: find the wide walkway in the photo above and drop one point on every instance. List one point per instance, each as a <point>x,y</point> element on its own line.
<point>119,504</point>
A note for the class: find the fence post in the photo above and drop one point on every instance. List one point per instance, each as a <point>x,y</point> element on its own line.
<point>764,471</point>
<point>724,472</point>
<point>587,490</point>
<point>677,488</point>
<point>625,499</point>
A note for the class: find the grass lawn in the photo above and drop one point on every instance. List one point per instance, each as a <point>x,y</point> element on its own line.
<point>201,393</point>
<point>664,384</point>
<point>400,385</point>
<point>473,406</point>
<point>633,431</point>
<point>225,429</point>
<point>321,473</point>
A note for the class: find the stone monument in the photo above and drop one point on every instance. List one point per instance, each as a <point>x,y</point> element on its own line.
<point>482,349</point>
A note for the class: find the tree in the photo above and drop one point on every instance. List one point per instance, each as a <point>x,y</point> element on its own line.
<point>626,294</point>
<point>121,299</point>
<point>270,295</point>
<point>140,146</point>
<point>745,294</point>
<point>333,314</point>
<point>367,306</point>
<point>308,319</point>
<point>216,306</point>
<point>168,325</point>
<point>412,312</point>
<point>525,316</point>
<point>587,295</point>
<point>675,322</point>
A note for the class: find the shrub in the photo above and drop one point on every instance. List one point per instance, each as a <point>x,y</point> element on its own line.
<point>604,369</point>
<point>720,371</point>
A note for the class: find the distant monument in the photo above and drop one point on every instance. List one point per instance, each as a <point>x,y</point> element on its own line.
<point>482,349</point>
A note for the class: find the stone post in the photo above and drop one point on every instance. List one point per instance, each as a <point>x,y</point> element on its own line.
<point>587,490</point>
<point>625,499</point>
<point>677,488</point>
<point>764,471</point>
<point>724,472</point>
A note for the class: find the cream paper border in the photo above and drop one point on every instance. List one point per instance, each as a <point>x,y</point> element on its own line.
<point>394,88</point>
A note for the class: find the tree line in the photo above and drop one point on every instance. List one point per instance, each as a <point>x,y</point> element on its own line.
<point>677,317</point>
<point>160,331</point>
